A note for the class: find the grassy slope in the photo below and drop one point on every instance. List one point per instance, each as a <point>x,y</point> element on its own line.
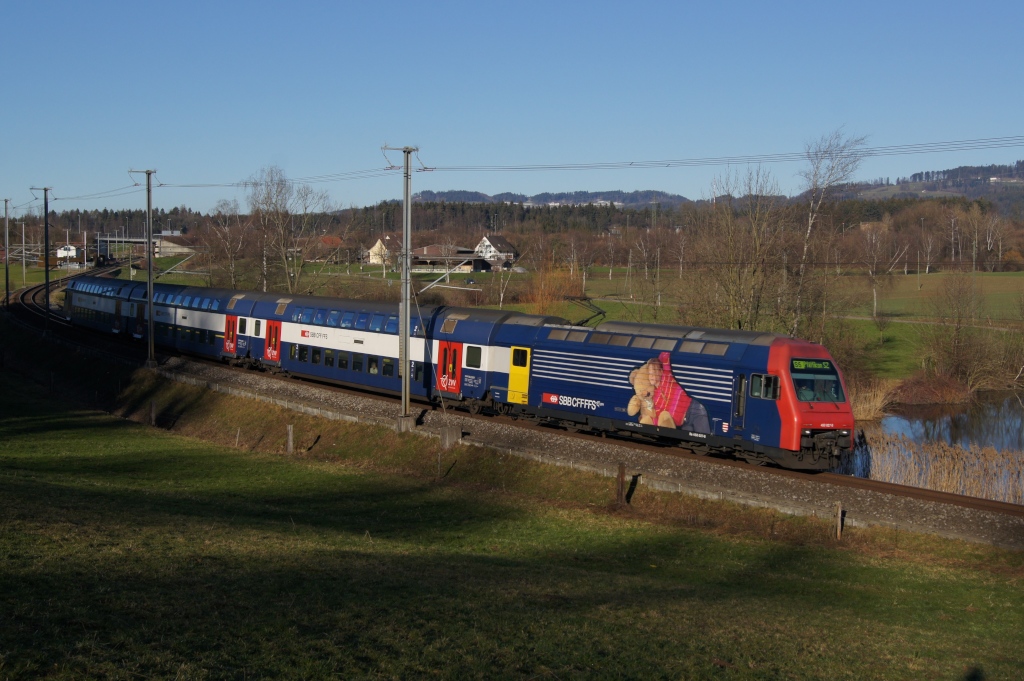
<point>128,551</point>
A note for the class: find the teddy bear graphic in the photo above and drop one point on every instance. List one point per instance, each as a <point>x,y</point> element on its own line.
<point>661,401</point>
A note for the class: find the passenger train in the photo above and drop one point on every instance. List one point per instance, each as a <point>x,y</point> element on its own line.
<point>763,397</point>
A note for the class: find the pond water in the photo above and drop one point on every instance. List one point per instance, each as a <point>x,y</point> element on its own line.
<point>992,420</point>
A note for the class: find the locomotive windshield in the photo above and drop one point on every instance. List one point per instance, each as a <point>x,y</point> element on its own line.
<point>816,380</point>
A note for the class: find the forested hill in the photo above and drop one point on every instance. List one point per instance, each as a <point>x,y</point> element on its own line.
<point>1002,185</point>
<point>634,199</point>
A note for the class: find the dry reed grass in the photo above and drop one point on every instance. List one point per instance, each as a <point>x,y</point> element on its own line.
<point>977,472</point>
<point>871,398</point>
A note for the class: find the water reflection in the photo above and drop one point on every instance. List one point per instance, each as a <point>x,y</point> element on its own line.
<point>992,420</point>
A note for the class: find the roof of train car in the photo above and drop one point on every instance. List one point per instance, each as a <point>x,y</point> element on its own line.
<point>692,333</point>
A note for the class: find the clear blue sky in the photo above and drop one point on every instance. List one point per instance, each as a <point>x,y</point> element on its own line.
<point>210,92</point>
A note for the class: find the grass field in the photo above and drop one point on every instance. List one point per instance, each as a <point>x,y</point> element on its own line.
<point>127,551</point>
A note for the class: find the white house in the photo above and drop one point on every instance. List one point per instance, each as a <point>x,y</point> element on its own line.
<point>497,251</point>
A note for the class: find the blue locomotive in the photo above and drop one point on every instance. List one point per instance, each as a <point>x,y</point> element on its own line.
<point>763,397</point>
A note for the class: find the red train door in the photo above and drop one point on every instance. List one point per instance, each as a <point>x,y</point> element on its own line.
<point>230,339</point>
<point>449,366</point>
<point>272,348</point>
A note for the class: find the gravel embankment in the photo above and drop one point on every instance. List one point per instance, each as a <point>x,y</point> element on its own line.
<point>660,470</point>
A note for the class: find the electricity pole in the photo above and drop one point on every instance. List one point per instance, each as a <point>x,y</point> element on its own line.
<point>151,359</point>
<point>46,248</point>
<point>406,315</point>
<point>7,254</point>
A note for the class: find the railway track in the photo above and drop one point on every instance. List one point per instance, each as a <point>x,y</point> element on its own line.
<point>32,308</point>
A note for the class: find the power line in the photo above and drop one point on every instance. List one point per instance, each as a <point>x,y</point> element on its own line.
<point>751,159</point>
<point>754,159</point>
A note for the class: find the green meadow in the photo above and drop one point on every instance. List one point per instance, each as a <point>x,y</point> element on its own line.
<point>133,552</point>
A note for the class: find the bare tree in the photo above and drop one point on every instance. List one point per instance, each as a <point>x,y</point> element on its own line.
<point>309,216</point>
<point>832,160</point>
<point>270,194</point>
<point>881,254</point>
<point>226,237</point>
<point>289,220</point>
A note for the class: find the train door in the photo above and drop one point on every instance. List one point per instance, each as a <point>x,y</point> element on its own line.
<point>519,376</point>
<point>117,316</point>
<point>140,319</point>
<point>739,402</point>
<point>230,339</point>
<point>272,349</point>
<point>449,366</point>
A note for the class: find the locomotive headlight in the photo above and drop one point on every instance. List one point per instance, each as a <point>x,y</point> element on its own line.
<point>844,432</point>
<point>807,432</point>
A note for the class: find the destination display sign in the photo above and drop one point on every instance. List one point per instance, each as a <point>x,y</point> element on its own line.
<point>812,364</point>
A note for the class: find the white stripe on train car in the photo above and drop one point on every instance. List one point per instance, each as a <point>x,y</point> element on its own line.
<point>352,340</point>
<point>705,383</point>
<point>606,372</point>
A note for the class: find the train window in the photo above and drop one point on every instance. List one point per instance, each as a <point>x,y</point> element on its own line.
<point>665,344</point>
<point>333,317</point>
<point>357,361</point>
<point>377,322</point>
<point>216,305</point>
<point>642,342</point>
<point>303,353</point>
<point>756,382</point>
<point>206,303</point>
<point>343,360</point>
<point>328,358</point>
<point>320,316</point>
<point>558,334</point>
<point>282,304</point>
<point>599,338</point>
<point>417,328</point>
<point>714,349</point>
<point>372,365</point>
<point>316,355</point>
<point>177,299</point>
<point>691,346</point>
<point>770,391</point>
<point>449,325</point>
<point>256,331</point>
<point>389,367</point>
<point>234,299</point>
<point>361,320</point>
<point>473,356</point>
<point>346,320</point>
<point>241,325</point>
<point>577,336</point>
<point>188,299</point>
<point>392,324</point>
<point>293,353</point>
<point>417,372</point>
<point>519,357</point>
<point>307,315</point>
<point>619,341</point>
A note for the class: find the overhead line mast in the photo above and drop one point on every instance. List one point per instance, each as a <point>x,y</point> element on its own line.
<point>405,417</point>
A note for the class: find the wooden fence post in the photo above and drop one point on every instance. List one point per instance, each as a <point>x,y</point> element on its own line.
<point>291,440</point>
<point>620,492</point>
<point>839,521</point>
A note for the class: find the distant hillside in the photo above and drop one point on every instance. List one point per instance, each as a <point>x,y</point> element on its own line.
<point>1003,185</point>
<point>635,199</point>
